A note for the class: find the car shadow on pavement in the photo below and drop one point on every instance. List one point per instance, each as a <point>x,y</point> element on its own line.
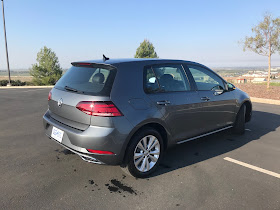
<point>192,152</point>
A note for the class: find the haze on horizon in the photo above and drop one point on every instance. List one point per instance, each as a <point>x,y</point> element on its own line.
<point>201,31</point>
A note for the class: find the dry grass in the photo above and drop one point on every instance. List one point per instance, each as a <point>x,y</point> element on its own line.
<point>21,78</point>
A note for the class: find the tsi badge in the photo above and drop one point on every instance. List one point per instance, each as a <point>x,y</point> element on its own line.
<point>60,102</point>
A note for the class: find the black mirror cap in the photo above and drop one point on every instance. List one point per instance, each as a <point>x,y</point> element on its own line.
<point>230,86</point>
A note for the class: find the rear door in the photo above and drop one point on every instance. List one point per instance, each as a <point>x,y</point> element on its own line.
<point>80,83</point>
<point>217,104</point>
<point>169,90</point>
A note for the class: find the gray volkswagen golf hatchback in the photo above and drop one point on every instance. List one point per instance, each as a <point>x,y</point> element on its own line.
<point>129,111</point>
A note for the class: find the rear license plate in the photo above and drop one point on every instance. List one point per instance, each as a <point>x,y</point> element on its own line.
<point>57,134</point>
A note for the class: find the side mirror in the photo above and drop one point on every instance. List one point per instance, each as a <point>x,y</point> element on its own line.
<point>230,87</point>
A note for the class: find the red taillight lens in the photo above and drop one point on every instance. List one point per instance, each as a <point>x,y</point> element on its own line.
<point>98,108</point>
<point>50,96</point>
<point>100,152</point>
<point>85,106</point>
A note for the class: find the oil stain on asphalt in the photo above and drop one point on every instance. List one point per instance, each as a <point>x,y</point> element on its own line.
<point>118,186</point>
<point>115,186</point>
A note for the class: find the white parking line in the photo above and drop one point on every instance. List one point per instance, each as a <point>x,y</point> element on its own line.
<point>253,167</point>
<point>247,129</point>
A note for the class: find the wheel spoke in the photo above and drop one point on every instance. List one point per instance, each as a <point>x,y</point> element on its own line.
<point>137,155</point>
<point>145,142</point>
<point>139,160</point>
<point>140,146</point>
<point>147,164</point>
<point>154,144</point>
<point>142,168</point>
<point>155,152</point>
<point>152,140</point>
<point>153,158</point>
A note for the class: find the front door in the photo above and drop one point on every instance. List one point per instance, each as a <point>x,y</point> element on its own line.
<point>217,105</point>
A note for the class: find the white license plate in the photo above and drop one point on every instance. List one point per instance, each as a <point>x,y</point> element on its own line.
<point>57,134</point>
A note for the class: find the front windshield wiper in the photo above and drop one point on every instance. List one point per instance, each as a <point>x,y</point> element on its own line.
<point>72,89</point>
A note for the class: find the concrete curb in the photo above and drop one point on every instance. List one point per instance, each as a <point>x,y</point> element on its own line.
<point>21,87</point>
<point>265,101</point>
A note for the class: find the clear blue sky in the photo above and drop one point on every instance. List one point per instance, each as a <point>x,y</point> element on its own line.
<point>202,31</point>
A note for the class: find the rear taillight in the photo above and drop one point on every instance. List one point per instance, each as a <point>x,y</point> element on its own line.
<point>99,108</point>
<point>100,152</point>
<point>50,96</point>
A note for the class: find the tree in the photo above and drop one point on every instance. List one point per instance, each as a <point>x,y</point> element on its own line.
<point>146,50</point>
<point>265,40</point>
<point>47,71</point>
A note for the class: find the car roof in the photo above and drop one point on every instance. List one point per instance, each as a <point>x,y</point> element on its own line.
<point>145,61</point>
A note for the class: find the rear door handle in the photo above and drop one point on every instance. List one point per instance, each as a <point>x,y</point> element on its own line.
<point>205,98</point>
<point>163,103</point>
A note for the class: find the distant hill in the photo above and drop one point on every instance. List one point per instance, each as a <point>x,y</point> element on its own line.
<point>19,72</point>
<point>22,72</point>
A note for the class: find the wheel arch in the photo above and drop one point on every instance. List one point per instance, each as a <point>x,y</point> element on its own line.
<point>165,134</point>
<point>248,113</point>
<point>248,105</point>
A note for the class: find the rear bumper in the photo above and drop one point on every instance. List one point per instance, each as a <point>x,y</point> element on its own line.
<point>84,156</point>
<point>94,137</point>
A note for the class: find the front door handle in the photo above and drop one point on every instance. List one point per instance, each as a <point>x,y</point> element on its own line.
<point>163,103</point>
<point>205,98</point>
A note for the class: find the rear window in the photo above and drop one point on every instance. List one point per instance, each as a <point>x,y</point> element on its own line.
<point>88,80</point>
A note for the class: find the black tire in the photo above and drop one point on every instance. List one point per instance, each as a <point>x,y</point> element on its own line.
<point>239,125</point>
<point>130,166</point>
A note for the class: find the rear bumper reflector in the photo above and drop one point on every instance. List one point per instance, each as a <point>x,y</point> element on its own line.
<point>100,152</point>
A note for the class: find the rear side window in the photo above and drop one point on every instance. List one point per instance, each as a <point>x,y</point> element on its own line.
<point>165,78</point>
<point>150,82</point>
<point>88,80</point>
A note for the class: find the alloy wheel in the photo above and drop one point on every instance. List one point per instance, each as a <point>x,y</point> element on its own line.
<point>146,153</point>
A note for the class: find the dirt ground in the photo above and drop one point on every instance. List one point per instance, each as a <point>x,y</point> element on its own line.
<point>260,90</point>
<point>21,78</point>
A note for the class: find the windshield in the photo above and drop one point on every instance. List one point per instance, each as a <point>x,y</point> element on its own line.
<point>88,80</point>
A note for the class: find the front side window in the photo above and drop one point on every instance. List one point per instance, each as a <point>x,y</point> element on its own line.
<point>205,79</point>
<point>165,78</point>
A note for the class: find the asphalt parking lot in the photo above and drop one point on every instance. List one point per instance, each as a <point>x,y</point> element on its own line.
<point>37,173</point>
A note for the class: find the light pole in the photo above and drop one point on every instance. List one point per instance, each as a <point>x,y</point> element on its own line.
<point>7,56</point>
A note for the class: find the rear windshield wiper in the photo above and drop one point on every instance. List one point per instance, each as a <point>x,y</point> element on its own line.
<point>72,89</point>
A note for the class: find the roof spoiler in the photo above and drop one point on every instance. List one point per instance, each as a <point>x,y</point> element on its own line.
<point>93,65</point>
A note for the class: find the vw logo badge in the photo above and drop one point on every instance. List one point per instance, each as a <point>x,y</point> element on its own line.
<point>60,102</point>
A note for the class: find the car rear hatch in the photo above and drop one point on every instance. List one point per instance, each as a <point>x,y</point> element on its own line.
<point>83,82</point>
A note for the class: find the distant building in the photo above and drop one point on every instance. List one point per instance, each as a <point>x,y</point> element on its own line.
<point>245,79</point>
<point>259,79</point>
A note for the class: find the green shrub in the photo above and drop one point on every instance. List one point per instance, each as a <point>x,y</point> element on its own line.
<point>17,83</point>
<point>4,82</point>
<point>13,83</point>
